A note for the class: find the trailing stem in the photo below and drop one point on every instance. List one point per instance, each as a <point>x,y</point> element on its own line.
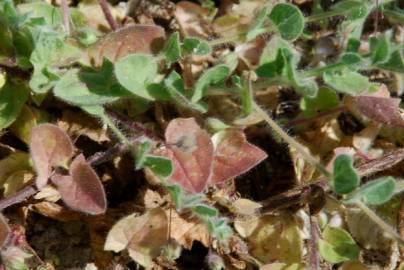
<point>118,133</point>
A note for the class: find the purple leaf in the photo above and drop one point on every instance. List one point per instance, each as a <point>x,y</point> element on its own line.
<point>234,155</point>
<point>191,151</point>
<point>50,147</point>
<point>384,110</point>
<point>148,39</point>
<point>82,189</point>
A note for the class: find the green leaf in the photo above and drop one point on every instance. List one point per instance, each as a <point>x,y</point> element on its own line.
<point>159,165</point>
<point>354,9</point>
<point>219,228</point>
<point>191,200</point>
<point>158,91</point>
<point>50,52</point>
<point>90,87</point>
<point>42,10</point>
<point>71,89</point>
<point>325,99</point>
<point>141,151</point>
<point>257,28</point>
<point>283,67</point>
<point>193,45</point>
<point>211,76</point>
<point>288,19</point>
<point>86,36</point>
<point>275,67</point>
<point>175,87</point>
<point>172,51</point>
<point>345,178</point>
<point>306,86</point>
<point>375,192</point>
<point>135,72</point>
<point>13,96</point>
<point>395,62</point>
<point>379,49</point>
<point>205,211</point>
<point>353,45</point>
<point>337,246</point>
<point>348,82</point>
<point>351,60</point>
<point>176,193</point>
<point>94,110</point>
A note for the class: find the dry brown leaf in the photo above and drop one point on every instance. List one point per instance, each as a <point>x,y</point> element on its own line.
<point>246,207</point>
<point>373,240</point>
<point>26,120</point>
<point>356,266</point>
<point>364,139</point>
<point>16,181</point>
<point>152,199</point>
<point>276,238</point>
<point>55,211</point>
<point>245,226</point>
<point>77,124</point>
<point>186,232</point>
<point>48,193</point>
<point>192,19</point>
<point>15,164</point>
<point>143,236</point>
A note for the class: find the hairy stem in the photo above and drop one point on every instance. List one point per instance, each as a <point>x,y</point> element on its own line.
<point>383,225</point>
<point>121,137</point>
<point>108,15</point>
<point>292,142</point>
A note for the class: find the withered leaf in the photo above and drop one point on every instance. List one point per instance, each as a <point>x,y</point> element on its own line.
<point>50,147</point>
<point>234,155</point>
<point>82,189</point>
<point>191,151</point>
<point>384,110</point>
<point>142,236</point>
<point>132,39</point>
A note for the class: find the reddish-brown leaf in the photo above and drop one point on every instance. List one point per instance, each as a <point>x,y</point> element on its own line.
<point>50,147</point>
<point>191,151</point>
<point>4,230</point>
<point>82,189</point>
<point>234,155</point>
<point>128,40</point>
<point>384,110</point>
